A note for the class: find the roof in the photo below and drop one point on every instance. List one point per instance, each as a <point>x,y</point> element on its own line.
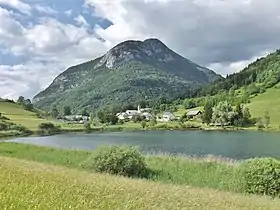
<point>193,112</point>
<point>168,113</point>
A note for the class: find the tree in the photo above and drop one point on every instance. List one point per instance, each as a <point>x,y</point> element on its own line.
<point>259,123</point>
<point>266,119</point>
<point>55,112</point>
<point>66,110</point>
<point>208,112</point>
<point>84,112</point>
<point>189,104</point>
<point>87,127</point>
<point>238,119</point>
<point>27,105</point>
<point>143,124</point>
<point>153,121</point>
<point>246,116</point>
<point>222,113</point>
<point>20,100</point>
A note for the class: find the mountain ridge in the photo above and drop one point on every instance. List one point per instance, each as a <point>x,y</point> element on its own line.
<point>132,70</point>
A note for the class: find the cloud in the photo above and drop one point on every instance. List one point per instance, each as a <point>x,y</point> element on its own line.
<point>18,5</point>
<point>205,31</point>
<point>45,10</point>
<point>222,35</point>
<point>81,21</point>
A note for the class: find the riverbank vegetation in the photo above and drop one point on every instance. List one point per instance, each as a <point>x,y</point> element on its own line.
<point>31,185</point>
<point>210,172</point>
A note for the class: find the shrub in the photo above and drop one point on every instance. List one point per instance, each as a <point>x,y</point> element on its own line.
<point>125,161</point>
<point>87,127</point>
<point>261,176</point>
<point>3,126</point>
<point>48,127</point>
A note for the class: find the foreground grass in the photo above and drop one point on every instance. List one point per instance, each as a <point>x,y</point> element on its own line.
<point>30,185</point>
<point>167,169</point>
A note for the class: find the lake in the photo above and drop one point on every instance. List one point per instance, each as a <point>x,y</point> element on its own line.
<point>236,145</point>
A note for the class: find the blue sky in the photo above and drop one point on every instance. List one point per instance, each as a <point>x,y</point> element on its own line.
<point>41,38</point>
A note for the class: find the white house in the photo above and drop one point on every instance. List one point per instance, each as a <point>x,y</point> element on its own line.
<point>147,115</point>
<point>122,115</point>
<point>168,116</point>
<point>129,114</point>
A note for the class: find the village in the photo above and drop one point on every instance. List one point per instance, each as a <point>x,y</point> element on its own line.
<point>129,115</point>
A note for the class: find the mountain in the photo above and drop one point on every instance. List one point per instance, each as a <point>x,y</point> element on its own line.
<point>258,76</point>
<point>128,73</point>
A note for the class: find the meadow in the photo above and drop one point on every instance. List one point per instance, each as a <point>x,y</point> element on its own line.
<point>208,172</point>
<point>30,185</point>
<point>268,101</point>
<point>59,182</point>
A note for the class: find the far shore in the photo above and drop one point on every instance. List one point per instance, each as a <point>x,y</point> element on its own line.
<point>137,127</point>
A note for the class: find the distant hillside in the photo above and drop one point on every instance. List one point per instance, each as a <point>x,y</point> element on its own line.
<point>128,73</point>
<point>264,73</point>
<point>16,113</point>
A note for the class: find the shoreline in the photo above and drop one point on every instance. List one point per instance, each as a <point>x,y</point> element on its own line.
<point>133,129</point>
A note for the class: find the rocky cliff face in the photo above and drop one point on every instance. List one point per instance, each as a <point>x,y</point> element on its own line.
<point>132,70</point>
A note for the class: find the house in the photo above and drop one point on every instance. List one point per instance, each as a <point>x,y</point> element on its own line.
<point>132,113</point>
<point>168,116</point>
<point>129,114</point>
<point>122,116</point>
<point>147,115</point>
<point>76,118</point>
<point>193,113</point>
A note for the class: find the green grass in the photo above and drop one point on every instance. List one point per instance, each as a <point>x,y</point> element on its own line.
<point>31,185</point>
<point>20,116</point>
<point>168,169</point>
<point>268,101</point>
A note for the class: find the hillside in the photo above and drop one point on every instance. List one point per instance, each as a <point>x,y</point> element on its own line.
<point>19,116</point>
<point>128,73</point>
<point>30,185</point>
<point>263,73</point>
<point>268,101</point>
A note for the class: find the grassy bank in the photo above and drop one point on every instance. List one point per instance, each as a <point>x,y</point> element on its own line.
<point>30,185</point>
<point>218,174</point>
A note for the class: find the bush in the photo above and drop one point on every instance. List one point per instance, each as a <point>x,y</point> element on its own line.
<point>48,128</point>
<point>87,127</point>
<point>262,176</point>
<point>125,161</point>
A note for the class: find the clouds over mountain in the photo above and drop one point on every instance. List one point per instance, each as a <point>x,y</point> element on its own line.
<point>39,40</point>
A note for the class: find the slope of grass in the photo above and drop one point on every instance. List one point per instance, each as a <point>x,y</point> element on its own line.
<point>30,185</point>
<point>168,169</point>
<point>268,101</point>
<point>20,116</point>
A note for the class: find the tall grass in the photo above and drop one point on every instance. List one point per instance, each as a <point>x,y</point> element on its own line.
<point>30,185</point>
<point>217,173</point>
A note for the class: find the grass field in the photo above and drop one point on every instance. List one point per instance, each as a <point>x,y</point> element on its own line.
<point>268,101</point>
<point>31,185</point>
<point>218,174</point>
<point>20,116</point>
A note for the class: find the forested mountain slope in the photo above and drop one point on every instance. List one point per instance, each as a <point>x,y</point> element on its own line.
<point>130,72</point>
<point>263,73</point>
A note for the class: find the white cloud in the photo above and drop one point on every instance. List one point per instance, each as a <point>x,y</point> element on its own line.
<point>223,35</point>
<point>17,4</point>
<point>45,10</point>
<point>206,31</point>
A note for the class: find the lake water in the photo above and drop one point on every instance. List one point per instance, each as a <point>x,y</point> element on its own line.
<point>236,145</point>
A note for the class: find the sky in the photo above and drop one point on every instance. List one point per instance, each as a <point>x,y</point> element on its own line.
<point>39,39</point>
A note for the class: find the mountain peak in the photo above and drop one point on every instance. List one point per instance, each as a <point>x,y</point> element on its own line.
<point>135,50</point>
